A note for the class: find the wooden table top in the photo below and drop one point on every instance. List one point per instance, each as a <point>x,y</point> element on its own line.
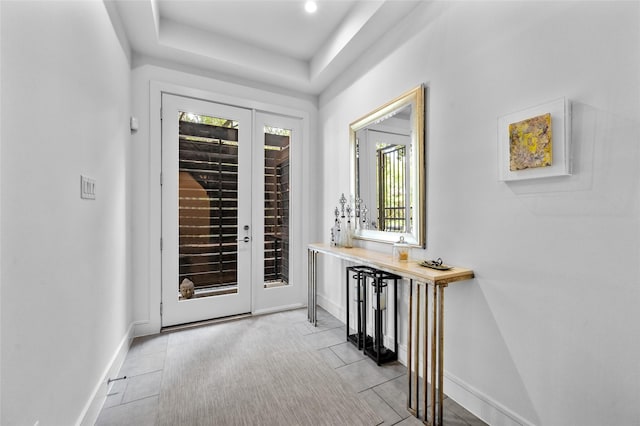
<point>408,268</point>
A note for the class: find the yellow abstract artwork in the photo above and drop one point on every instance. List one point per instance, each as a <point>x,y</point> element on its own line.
<point>530,143</point>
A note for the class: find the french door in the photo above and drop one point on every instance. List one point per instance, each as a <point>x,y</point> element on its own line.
<point>276,184</point>
<point>206,210</point>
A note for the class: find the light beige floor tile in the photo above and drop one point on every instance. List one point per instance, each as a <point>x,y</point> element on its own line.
<point>466,416</point>
<point>381,408</point>
<point>143,386</point>
<point>411,421</point>
<point>449,418</point>
<point>115,394</point>
<point>394,393</point>
<point>326,324</point>
<point>392,369</point>
<point>331,358</point>
<point>348,352</point>
<point>365,374</point>
<point>294,315</point>
<point>384,387</point>
<point>210,331</point>
<point>326,338</point>
<point>305,328</point>
<point>142,364</point>
<point>139,413</point>
<point>148,345</point>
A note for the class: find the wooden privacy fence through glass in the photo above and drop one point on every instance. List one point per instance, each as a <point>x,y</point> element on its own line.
<point>208,205</point>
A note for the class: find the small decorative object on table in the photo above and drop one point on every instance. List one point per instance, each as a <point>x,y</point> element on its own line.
<point>343,230</point>
<point>335,231</point>
<point>401,249</point>
<point>364,224</point>
<point>348,240</point>
<point>435,264</point>
<point>343,201</point>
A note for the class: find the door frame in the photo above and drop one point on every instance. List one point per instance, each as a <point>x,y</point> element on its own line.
<point>147,250</point>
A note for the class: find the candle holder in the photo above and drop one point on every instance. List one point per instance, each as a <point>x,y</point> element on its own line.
<point>343,201</point>
<point>356,334</point>
<point>401,250</point>
<point>335,231</point>
<point>374,344</point>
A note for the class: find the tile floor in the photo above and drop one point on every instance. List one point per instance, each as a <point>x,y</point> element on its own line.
<point>134,401</point>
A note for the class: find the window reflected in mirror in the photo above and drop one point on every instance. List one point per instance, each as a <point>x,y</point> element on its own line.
<point>388,170</point>
<point>394,210</point>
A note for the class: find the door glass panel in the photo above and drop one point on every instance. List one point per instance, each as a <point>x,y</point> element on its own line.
<point>276,206</point>
<point>208,206</point>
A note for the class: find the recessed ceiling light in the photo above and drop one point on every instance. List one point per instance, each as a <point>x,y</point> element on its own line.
<point>310,6</point>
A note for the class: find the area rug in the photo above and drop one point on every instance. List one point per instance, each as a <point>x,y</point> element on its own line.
<point>256,371</point>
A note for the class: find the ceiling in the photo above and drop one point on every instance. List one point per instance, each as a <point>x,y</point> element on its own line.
<point>273,42</point>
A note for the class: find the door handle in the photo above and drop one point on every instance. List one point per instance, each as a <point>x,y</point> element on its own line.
<point>246,238</point>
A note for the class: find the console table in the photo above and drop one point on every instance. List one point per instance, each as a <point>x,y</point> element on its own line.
<point>422,281</point>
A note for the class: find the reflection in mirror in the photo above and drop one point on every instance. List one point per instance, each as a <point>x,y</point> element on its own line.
<point>387,148</point>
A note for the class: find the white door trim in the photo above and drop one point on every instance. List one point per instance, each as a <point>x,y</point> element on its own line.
<point>147,288</point>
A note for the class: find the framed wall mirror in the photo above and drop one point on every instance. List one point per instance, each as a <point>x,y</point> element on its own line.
<point>388,171</point>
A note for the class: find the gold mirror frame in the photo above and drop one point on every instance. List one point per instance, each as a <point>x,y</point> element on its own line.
<point>417,169</point>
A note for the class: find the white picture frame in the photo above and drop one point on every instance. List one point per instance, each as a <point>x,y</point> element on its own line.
<point>560,111</point>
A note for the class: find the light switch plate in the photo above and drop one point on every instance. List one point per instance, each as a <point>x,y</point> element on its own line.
<point>87,188</point>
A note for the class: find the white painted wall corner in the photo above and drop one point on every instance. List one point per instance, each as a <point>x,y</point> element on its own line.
<point>93,406</point>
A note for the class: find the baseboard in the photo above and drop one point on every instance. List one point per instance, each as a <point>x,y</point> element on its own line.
<point>333,308</point>
<point>482,406</point>
<point>145,328</point>
<point>402,350</point>
<point>92,409</point>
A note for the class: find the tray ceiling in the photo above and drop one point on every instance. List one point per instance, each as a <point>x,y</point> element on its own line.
<point>273,42</point>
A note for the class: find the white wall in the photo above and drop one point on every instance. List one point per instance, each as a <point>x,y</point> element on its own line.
<point>0,216</point>
<point>66,307</point>
<point>547,333</point>
<point>149,77</point>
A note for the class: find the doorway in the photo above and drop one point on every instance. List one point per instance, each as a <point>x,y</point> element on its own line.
<point>206,210</point>
<point>226,203</point>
